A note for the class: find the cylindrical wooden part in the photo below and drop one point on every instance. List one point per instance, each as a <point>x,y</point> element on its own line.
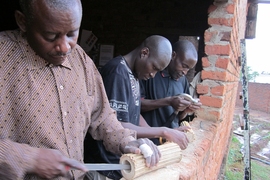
<point>170,153</point>
<point>190,134</point>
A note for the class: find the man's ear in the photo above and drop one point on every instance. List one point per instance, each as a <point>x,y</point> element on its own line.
<point>144,52</point>
<point>173,55</point>
<point>20,20</point>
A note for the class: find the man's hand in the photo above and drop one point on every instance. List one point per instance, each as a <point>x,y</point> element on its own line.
<point>192,108</point>
<point>179,103</point>
<point>134,147</point>
<point>183,128</point>
<point>177,136</point>
<point>50,163</point>
<point>195,106</point>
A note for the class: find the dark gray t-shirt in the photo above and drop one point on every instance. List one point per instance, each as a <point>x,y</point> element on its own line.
<point>161,86</point>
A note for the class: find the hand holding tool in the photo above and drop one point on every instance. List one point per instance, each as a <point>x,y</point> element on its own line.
<point>174,114</point>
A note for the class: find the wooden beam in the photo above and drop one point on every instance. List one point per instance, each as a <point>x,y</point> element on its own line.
<point>251,21</point>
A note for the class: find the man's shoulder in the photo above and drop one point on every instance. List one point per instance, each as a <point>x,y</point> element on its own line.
<point>10,46</point>
<point>114,66</point>
<point>115,62</point>
<point>10,35</point>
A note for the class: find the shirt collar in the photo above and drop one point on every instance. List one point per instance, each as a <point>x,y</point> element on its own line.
<point>35,61</point>
<point>165,74</point>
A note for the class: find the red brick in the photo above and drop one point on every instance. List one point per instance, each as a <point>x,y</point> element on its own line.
<point>211,101</point>
<point>214,75</point>
<point>221,21</point>
<point>223,63</point>
<point>205,62</point>
<point>218,49</point>
<point>258,96</point>
<point>202,89</point>
<point>218,90</point>
<point>204,113</point>
<point>207,36</point>
<point>230,8</point>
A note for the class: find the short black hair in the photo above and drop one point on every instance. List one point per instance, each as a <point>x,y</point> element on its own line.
<point>28,10</point>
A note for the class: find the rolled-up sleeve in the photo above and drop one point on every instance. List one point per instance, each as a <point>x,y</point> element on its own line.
<point>16,159</point>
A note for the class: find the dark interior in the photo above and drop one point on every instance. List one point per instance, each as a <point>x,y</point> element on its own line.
<point>125,24</point>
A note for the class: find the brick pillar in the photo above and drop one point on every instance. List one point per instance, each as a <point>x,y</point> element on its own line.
<point>220,75</point>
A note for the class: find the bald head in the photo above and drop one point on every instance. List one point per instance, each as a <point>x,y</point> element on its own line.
<point>28,10</point>
<point>184,58</point>
<point>185,46</point>
<point>159,46</point>
<point>152,55</point>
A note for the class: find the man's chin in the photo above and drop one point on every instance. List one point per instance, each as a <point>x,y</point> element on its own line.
<point>57,60</point>
<point>177,77</point>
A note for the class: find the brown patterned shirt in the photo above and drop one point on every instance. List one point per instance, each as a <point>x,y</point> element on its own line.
<point>47,106</point>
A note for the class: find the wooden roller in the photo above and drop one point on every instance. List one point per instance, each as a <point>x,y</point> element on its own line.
<point>190,133</point>
<point>170,153</point>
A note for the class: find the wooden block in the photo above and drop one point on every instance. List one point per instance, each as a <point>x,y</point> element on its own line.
<point>170,153</point>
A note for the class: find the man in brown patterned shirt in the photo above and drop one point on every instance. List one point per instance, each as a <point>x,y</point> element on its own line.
<point>51,95</point>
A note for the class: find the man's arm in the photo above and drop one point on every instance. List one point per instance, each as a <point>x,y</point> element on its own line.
<point>17,159</point>
<point>173,135</point>
<point>178,103</point>
<point>152,104</point>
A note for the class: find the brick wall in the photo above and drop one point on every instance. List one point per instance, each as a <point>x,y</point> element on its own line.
<point>220,67</point>
<point>258,96</point>
<point>113,23</point>
<point>220,78</point>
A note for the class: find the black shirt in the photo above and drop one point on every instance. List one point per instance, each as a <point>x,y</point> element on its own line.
<point>123,92</point>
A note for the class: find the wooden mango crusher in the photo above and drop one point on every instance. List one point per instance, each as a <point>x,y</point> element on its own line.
<point>170,154</point>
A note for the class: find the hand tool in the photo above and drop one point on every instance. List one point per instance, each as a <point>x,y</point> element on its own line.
<point>103,167</point>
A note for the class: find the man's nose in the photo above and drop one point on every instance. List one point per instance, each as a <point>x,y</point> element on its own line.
<point>185,72</point>
<point>152,74</point>
<point>63,45</point>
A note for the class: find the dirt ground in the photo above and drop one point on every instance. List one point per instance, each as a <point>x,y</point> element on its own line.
<point>259,132</point>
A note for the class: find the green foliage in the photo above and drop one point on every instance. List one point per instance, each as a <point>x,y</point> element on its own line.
<point>235,165</point>
<point>259,171</point>
<point>233,175</point>
<point>251,75</point>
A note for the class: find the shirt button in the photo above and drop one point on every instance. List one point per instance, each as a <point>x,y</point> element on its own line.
<point>65,113</point>
<point>61,87</point>
<point>70,141</point>
<point>51,65</point>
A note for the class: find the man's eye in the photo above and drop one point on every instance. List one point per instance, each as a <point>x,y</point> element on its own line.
<point>185,66</point>
<point>70,34</point>
<point>50,38</point>
<point>73,33</point>
<point>155,68</point>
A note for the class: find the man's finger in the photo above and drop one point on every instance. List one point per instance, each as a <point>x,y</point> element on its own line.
<point>73,164</point>
<point>132,149</point>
